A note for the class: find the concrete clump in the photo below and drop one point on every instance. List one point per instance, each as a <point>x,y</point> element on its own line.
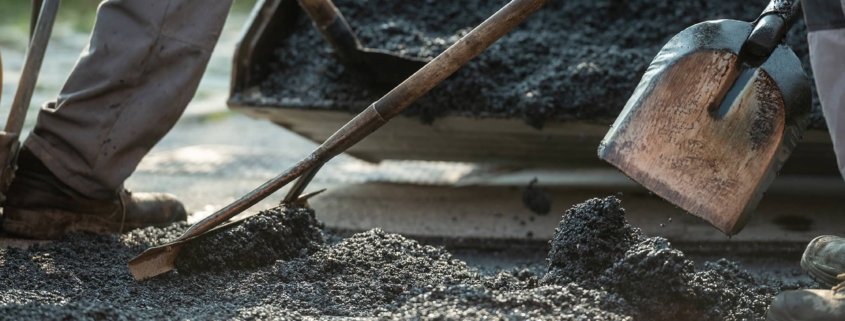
<point>600,268</point>
<point>590,238</point>
<point>536,199</point>
<point>594,246</point>
<point>279,233</point>
<point>571,60</point>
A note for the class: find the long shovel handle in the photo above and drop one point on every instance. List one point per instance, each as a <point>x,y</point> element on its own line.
<point>9,138</point>
<point>33,17</point>
<point>385,108</point>
<point>32,65</point>
<point>35,12</point>
<point>322,12</point>
<point>300,185</point>
<point>334,28</point>
<point>1,77</point>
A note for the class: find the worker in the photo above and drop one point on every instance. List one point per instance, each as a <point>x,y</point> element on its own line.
<point>824,258</point>
<point>141,67</point>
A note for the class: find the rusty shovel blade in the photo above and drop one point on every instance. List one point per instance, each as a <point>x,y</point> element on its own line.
<point>154,261</point>
<point>708,127</point>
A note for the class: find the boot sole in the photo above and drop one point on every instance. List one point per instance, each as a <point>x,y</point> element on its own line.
<point>50,224</point>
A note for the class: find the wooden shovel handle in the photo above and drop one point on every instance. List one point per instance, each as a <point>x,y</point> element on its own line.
<point>322,12</point>
<point>456,56</point>
<point>1,77</point>
<point>334,28</point>
<point>375,116</point>
<point>32,66</point>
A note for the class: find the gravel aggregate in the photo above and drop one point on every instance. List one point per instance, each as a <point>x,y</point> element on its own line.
<point>571,60</point>
<point>599,268</point>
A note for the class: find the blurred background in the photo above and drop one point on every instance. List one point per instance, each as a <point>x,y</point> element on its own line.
<point>70,35</point>
<point>213,156</point>
<point>206,122</point>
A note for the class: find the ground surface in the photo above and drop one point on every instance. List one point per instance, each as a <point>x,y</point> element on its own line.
<point>571,60</point>
<point>378,274</point>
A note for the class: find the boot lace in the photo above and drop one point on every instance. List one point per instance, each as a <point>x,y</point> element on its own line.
<point>841,285</point>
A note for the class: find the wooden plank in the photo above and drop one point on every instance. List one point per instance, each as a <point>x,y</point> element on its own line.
<point>462,139</point>
<point>496,212</point>
<point>502,141</point>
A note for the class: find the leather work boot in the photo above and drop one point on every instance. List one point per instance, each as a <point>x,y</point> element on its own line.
<point>806,305</point>
<point>40,206</point>
<point>824,259</point>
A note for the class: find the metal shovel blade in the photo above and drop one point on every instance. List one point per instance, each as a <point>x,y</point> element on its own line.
<point>705,130</point>
<point>378,66</point>
<point>160,259</point>
<point>154,261</point>
<point>387,68</point>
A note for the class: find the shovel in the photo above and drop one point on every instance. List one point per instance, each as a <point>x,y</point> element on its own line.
<point>376,65</point>
<point>160,259</point>
<point>715,116</point>
<point>45,12</point>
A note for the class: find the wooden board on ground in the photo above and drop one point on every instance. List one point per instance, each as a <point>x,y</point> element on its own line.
<point>504,141</point>
<point>496,212</point>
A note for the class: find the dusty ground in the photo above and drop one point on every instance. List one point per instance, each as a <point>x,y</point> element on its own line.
<point>378,274</point>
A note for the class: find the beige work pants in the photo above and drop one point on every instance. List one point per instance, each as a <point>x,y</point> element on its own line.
<point>131,84</point>
<point>826,35</point>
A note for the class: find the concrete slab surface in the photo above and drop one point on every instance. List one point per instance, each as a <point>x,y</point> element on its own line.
<point>211,162</point>
<point>436,199</point>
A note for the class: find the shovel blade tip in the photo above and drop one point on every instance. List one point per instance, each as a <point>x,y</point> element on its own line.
<point>154,261</point>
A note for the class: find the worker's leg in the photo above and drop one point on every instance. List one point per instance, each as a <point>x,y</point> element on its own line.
<point>141,68</point>
<point>827,55</point>
<point>824,258</point>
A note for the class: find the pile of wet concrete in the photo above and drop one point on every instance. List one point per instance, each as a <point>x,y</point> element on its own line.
<point>599,268</point>
<point>572,60</point>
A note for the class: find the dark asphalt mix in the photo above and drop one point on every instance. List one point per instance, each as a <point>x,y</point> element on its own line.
<point>599,268</point>
<point>571,60</point>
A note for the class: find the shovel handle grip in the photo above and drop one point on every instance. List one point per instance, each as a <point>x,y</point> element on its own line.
<point>771,27</point>
<point>788,10</point>
<point>322,12</point>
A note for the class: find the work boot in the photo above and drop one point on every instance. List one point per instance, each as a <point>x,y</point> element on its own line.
<point>824,259</point>
<point>806,305</point>
<point>40,206</point>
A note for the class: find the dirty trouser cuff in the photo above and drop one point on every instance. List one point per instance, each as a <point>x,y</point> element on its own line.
<point>80,183</point>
